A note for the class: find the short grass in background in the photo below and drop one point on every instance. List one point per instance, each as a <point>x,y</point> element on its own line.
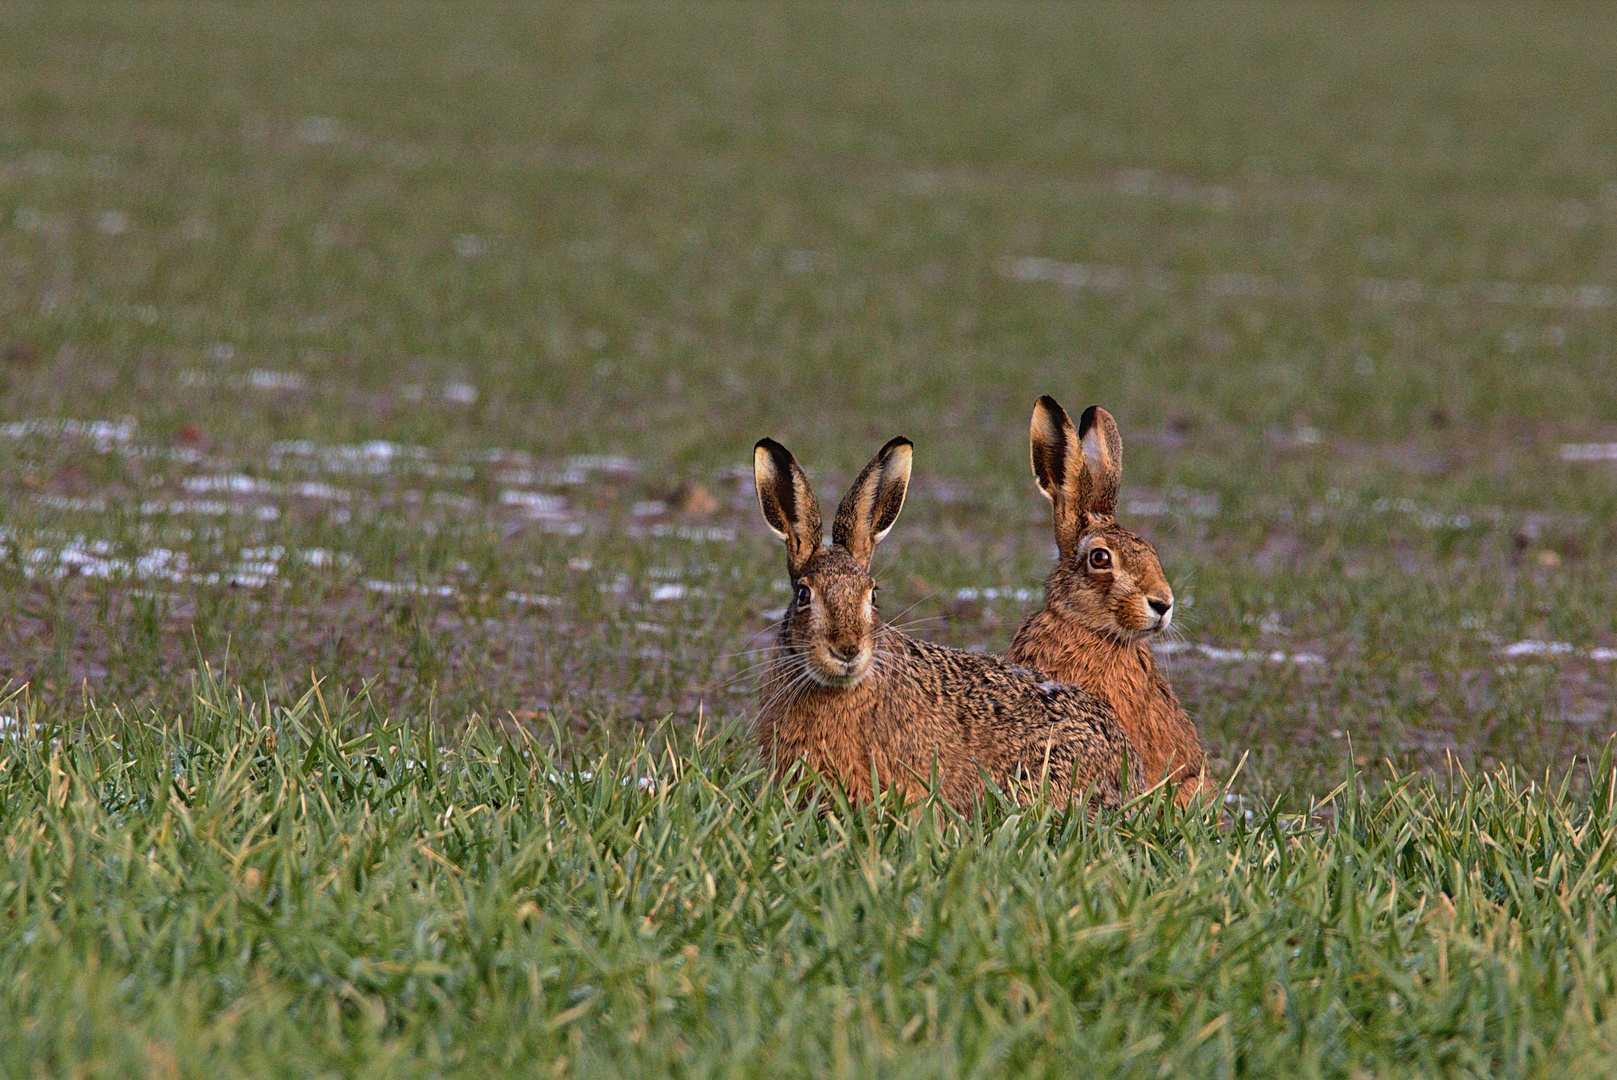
<point>426,353</point>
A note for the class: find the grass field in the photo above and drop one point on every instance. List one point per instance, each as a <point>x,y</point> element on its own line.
<point>246,892</point>
<point>420,352</point>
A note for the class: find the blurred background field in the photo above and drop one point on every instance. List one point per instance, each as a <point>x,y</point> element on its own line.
<point>424,349</point>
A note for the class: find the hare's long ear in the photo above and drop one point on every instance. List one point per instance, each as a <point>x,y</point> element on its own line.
<point>789,506</point>
<point>1058,466</point>
<point>1103,459</point>
<point>871,506</point>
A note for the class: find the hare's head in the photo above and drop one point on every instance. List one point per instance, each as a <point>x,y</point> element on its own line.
<point>831,621</point>
<point>1108,579</point>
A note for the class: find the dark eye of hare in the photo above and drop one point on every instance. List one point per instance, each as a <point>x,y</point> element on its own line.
<point>1100,558</point>
<point>803,595</point>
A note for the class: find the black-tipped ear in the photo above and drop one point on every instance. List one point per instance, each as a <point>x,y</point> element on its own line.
<point>1103,459</point>
<point>1048,439</point>
<point>871,505</point>
<point>790,509</point>
<point>1058,466</point>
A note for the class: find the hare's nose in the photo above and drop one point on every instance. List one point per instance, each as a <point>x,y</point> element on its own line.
<point>844,652</point>
<point>1159,605</point>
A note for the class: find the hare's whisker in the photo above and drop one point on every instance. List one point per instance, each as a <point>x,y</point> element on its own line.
<point>793,680</point>
<point>912,607</point>
<point>906,626</point>
<point>751,669</point>
<point>746,652</point>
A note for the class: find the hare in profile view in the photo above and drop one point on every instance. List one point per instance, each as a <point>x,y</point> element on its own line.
<point>1105,598</point>
<point>861,703</point>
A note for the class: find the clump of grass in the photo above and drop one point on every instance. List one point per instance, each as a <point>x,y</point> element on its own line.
<point>254,888</point>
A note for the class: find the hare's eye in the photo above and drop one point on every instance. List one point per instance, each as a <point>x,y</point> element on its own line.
<point>1100,558</point>
<point>804,595</point>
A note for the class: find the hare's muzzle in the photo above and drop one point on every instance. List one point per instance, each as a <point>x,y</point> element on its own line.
<point>1161,613</point>
<point>842,664</point>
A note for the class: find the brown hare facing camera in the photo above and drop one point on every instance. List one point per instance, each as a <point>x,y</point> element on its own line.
<point>1106,596</point>
<point>855,700</point>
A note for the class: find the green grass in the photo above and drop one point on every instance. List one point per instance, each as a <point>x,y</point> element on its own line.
<point>443,334</point>
<point>1348,290</point>
<point>244,890</point>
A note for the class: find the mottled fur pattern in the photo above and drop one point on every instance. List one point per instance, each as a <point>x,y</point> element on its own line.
<point>861,703</point>
<point>1106,595</point>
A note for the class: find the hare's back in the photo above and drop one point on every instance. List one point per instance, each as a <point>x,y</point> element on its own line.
<point>1012,703</point>
<point>1018,724</point>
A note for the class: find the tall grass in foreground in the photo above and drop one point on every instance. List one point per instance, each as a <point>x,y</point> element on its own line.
<point>256,890</point>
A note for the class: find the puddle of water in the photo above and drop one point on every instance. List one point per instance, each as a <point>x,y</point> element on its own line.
<point>1427,518</point>
<point>1589,452</point>
<point>258,379</point>
<point>320,557</point>
<point>607,463</point>
<point>159,507</point>
<point>1022,596</point>
<point>82,557</point>
<point>238,484</point>
<point>408,588</point>
<point>1249,286</point>
<point>717,534</point>
<point>102,441</point>
<point>72,504</point>
<point>456,393</point>
<point>1214,652</point>
<point>670,573</point>
<point>255,568</point>
<point>1177,503</point>
<point>535,504</point>
<point>1076,276</point>
<point>1136,182</point>
<point>102,432</point>
<point>1339,501</point>
<point>264,379</point>
<point>234,485</point>
<point>460,393</point>
<point>522,471</point>
<point>96,559</point>
<point>1538,648</point>
<point>207,508</point>
<point>375,458</point>
<point>1534,647</point>
<point>531,599</point>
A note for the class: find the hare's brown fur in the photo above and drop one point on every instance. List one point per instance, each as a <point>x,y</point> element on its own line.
<point>861,703</point>
<point>1093,629</point>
